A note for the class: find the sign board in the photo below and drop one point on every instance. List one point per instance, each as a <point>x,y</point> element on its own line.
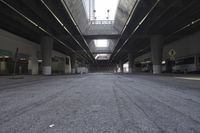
<point>172,54</point>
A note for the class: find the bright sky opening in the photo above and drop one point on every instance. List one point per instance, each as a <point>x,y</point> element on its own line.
<point>101,43</point>
<point>102,7</point>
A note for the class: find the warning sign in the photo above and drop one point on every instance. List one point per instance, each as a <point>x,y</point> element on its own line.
<point>172,54</point>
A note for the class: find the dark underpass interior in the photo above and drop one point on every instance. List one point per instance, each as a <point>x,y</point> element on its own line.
<point>99,66</point>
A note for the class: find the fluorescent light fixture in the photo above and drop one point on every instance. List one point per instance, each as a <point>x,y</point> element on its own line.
<point>102,43</point>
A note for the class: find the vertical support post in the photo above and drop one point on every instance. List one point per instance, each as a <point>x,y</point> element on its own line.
<point>121,66</point>
<point>130,60</point>
<point>73,64</point>
<point>15,61</point>
<point>156,53</point>
<point>46,46</point>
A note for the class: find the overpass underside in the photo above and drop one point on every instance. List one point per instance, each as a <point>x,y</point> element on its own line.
<point>99,66</point>
<point>90,36</point>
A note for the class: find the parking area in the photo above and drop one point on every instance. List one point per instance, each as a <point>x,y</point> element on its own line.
<point>99,103</point>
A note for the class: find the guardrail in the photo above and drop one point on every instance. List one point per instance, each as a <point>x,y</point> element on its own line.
<point>99,27</point>
<point>94,22</point>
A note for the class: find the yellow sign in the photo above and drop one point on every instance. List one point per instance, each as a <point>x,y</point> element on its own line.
<point>172,54</point>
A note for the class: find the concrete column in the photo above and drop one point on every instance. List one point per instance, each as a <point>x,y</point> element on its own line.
<point>83,63</point>
<point>29,66</point>
<point>76,65</point>
<point>121,66</point>
<point>33,65</point>
<point>3,67</point>
<point>156,53</point>
<point>46,46</point>
<point>116,68</point>
<point>59,66</point>
<point>131,62</point>
<point>73,64</point>
<point>68,68</point>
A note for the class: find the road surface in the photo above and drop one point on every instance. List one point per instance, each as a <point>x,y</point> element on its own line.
<point>100,103</point>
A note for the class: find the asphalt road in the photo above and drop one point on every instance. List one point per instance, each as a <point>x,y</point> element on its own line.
<point>100,103</point>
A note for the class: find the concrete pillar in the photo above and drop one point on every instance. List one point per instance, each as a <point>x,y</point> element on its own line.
<point>131,62</point>
<point>156,53</point>
<point>3,67</point>
<point>35,68</point>
<point>115,68</point>
<point>33,65</point>
<point>29,66</point>
<point>76,65</point>
<point>121,66</point>
<point>83,63</point>
<point>63,65</point>
<point>68,68</point>
<point>46,46</point>
<point>73,64</point>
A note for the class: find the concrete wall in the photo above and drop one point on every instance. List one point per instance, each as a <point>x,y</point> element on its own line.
<point>86,4</point>
<point>123,11</point>
<point>10,42</point>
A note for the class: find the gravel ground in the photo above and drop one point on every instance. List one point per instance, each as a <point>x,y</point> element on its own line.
<point>100,103</point>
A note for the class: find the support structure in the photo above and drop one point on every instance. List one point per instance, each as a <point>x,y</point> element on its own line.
<point>3,67</point>
<point>73,64</point>
<point>121,66</point>
<point>131,62</point>
<point>46,46</point>
<point>33,65</point>
<point>156,53</point>
<point>116,68</point>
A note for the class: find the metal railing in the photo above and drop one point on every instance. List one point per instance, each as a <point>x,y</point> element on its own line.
<point>98,27</point>
<point>94,22</point>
